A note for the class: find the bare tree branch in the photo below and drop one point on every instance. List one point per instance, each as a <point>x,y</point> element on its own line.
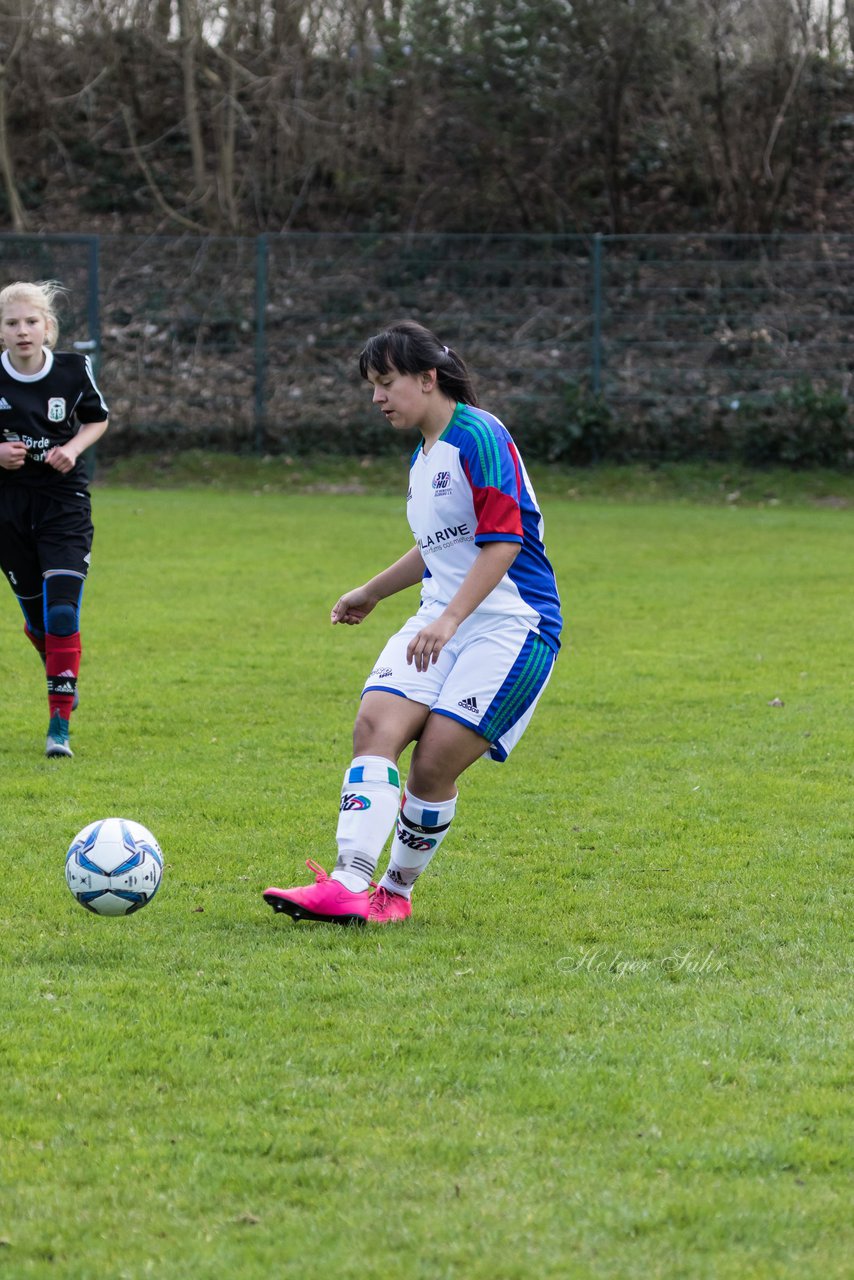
<point>780,117</point>
<point>10,186</point>
<point>81,93</point>
<point>162,203</point>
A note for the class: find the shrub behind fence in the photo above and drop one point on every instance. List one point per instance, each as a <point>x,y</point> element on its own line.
<point>623,347</point>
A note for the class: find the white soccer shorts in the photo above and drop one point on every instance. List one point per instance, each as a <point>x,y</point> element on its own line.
<point>489,676</point>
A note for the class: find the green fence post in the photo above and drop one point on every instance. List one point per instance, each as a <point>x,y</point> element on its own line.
<point>596,351</point>
<point>92,344</point>
<point>261,249</point>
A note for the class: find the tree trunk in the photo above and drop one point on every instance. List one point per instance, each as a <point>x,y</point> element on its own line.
<point>286,24</point>
<point>189,44</point>
<point>16,209</point>
<point>227,127</point>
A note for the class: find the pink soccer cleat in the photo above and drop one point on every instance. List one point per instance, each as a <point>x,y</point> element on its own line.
<point>387,907</point>
<point>325,900</point>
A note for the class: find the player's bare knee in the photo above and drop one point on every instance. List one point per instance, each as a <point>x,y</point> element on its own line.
<point>430,775</point>
<point>367,732</point>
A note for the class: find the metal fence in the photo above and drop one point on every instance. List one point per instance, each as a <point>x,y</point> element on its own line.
<point>251,343</point>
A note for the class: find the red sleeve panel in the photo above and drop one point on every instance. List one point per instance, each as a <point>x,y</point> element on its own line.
<point>499,518</point>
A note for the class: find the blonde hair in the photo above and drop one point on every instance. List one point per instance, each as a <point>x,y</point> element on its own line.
<point>41,295</point>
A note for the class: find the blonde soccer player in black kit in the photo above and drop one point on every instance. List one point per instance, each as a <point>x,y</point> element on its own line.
<point>51,411</point>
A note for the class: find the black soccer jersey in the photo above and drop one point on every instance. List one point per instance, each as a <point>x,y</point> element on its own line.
<point>45,409</point>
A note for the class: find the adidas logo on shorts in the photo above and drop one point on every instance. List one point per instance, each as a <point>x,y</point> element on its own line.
<point>468,704</point>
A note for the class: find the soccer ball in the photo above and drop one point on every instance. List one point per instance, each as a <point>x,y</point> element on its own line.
<point>113,867</point>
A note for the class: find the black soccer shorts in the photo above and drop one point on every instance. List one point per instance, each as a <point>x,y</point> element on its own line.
<point>41,531</point>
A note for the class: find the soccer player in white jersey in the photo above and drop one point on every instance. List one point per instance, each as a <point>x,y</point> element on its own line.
<point>50,411</point>
<point>462,677</point>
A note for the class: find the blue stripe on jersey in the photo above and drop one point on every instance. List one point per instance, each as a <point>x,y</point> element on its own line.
<point>493,461</point>
<point>532,574</point>
<point>482,436</point>
<point>524,681</point>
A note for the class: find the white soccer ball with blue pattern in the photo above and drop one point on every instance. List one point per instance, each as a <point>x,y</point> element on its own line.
<point>113,867</point>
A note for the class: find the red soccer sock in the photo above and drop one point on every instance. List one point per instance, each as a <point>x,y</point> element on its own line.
<point>62,663</point>
<point>36,639</point>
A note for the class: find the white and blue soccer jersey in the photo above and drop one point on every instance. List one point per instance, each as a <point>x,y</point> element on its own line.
<point>470,489</point>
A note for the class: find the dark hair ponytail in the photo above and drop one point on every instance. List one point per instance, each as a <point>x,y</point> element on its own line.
<point>410,348</point>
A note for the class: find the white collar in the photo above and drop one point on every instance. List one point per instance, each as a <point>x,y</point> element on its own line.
<point>27,377</point>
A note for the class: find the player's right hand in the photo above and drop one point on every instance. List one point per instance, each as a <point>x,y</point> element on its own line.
<point>13,455</point>
<point>353,607</point>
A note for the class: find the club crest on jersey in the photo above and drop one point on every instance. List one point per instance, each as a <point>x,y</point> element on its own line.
<point>56,409</point>
<point>442,483</point>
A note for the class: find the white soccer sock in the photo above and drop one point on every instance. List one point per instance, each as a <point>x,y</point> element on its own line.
<point>421,827</point>
<point>369,801</point>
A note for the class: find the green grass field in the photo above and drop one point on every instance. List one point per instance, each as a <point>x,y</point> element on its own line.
<point>612,1040</point>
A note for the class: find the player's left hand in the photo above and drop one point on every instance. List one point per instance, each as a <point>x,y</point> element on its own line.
<point>60,459</point>
<point>429,643</point>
